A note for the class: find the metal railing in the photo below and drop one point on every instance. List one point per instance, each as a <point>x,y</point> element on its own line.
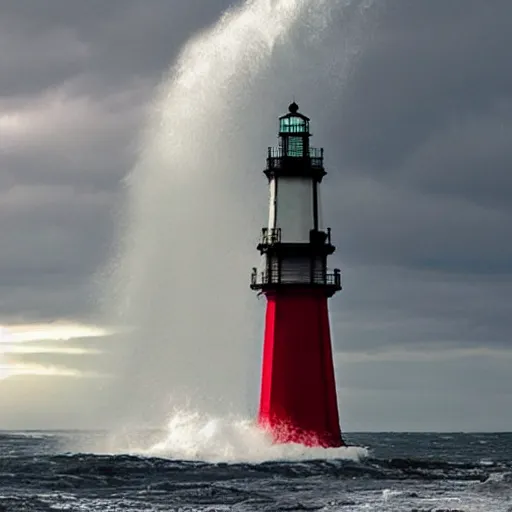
<point>331,279</point>
<point>328,238</point>
<point>279,152</point>
<point>277,157</point>
<point>270,236</point>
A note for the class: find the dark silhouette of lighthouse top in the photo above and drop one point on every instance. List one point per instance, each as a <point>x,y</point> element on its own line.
<point>295,243</point>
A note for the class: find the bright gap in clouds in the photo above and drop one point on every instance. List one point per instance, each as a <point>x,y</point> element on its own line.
<point>29,339</point>
<point>49,332</point>
<point>11,369</point>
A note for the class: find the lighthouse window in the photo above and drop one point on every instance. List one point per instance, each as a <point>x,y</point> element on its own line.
<point>293,125</point>
<point>295,146</point>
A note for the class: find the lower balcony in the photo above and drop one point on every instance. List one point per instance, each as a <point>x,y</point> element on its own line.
<point>265,281</point>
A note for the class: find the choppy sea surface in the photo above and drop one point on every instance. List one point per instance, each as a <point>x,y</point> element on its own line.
<point>401,472</point>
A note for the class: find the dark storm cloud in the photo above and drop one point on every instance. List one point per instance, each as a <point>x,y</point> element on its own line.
<point>106,43</point>
<point>75,79</point>
<point>420,189</point>
<point>427,118</point>
<point>417,229</point>
<point>417,144</point>
<point>389,308</point>
<point>429,66</point>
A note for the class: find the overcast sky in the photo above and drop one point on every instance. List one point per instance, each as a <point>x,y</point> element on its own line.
<point>412,101</point>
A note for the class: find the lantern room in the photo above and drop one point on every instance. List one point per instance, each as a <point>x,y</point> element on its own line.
<point>294,133</point>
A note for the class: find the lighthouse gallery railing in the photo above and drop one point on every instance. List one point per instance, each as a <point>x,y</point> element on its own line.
<point>277,157</point>
<point>315,278</point>
<point>271,236</point>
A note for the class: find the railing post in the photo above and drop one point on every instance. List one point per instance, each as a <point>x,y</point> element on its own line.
<point>337,277</point>
<point>264,235</point>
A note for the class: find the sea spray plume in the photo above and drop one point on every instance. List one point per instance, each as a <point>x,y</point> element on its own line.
<point>181,280</point>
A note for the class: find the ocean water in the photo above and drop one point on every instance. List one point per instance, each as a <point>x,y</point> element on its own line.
<point>400,472</point>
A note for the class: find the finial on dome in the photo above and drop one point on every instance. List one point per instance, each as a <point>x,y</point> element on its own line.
<point>293,108</point>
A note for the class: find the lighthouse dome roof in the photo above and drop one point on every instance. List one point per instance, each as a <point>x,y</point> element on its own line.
<point>293,108</point>
<point>293,111</point>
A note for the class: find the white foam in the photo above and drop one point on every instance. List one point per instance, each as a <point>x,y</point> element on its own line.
<point>198,437</point>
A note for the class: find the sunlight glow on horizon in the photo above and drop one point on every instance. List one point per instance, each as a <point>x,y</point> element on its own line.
<point>19,369</point>
<point>29,339</point>
<point>34,349</point>
<point>49,332</point>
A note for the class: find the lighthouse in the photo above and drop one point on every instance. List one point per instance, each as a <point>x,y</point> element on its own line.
<point>298,391</point>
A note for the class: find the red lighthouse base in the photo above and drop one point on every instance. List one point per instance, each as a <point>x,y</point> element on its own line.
<point>298,391</point>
